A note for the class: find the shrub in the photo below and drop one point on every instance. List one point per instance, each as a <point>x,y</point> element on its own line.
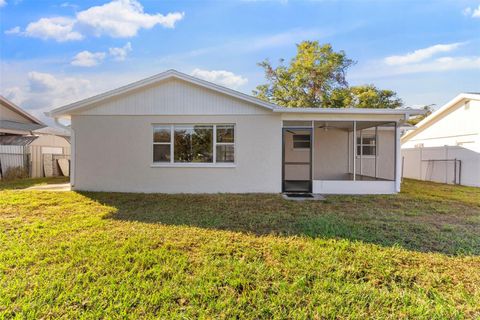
<point>14,173</point>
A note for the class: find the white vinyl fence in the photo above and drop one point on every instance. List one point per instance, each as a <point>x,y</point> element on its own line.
<point>448,164</point>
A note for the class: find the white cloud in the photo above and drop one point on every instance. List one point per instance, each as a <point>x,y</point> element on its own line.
<point>123,18</point>
<point>120,54</point>
<point>68,5</point>
<point>441,64</point>
<point>118,19</point>
<point>221,77</point>
<point>374,69</point>
<point>14,30</point>
<point>474,13</point>
<point>41,82</point>
<point>3,3</point>
<point>88,59</point>
<point>45,90</point>
<point>58,28</point>
<point>421,54</point>
<point>14,94</point>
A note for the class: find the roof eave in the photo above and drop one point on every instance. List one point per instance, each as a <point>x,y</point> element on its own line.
<point>15,108</point>
<point>402,112</point>
<point>439,113</point>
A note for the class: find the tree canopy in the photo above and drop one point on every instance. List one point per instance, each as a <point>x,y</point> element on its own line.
<point>316,77</point>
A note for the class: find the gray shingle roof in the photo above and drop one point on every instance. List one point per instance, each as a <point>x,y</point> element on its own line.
<point>13,140</point>
<point>12,125</point>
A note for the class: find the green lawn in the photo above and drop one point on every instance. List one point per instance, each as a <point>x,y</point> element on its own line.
<point>107,255</point>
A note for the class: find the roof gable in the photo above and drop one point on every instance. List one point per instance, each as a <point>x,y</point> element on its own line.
<point>441,113</point>
<point>17,113</point>
<point>159,79</point>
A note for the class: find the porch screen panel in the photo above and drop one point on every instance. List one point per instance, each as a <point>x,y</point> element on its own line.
<point>332,150</point>
<point>375,151</point>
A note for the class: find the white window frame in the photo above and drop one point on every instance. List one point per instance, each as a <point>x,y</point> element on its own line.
<point>162,143</point>
<point>215,144</point>
<point>301,149</point>
<point>361,145</point>
<point>215,164</point>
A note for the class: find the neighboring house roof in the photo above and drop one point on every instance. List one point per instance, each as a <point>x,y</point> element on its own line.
<point>15,140</point>
<point>77,106</point>
<point>53,131</point>
<point>440,113</point>
<point>9,104</point>
<point>13,125</point>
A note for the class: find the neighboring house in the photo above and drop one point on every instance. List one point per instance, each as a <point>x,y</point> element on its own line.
<point>173,133</point>
<point>24,140</point>
<point>445,147</point>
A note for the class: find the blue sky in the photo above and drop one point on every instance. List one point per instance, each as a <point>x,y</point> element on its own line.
<point>55,52</point>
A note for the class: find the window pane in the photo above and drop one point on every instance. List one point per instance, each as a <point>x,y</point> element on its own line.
<point>225,153</point>
<point>225,133</point>
<point>369,140</point>
<point>301,144</point>
<point>161,153</point>
<point>161,134</point>
<point>301,137</point>
<point>193,143</point>
<point>368,151</point>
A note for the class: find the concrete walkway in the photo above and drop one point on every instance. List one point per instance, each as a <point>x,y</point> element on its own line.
<point>51,187</point>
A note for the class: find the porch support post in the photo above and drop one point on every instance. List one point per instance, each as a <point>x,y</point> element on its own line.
<point>398,156</point>
<point>376,150</point>
<point>354,150</point>
<point>361,152</point>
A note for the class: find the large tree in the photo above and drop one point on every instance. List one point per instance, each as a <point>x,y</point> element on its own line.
<point>364,96</point>
<point>315,77</point>
<point>308,80</point>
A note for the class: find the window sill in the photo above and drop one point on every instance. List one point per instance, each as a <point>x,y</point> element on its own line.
<point>193,165</point>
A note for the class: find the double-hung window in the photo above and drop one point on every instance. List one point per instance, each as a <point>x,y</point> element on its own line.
<point>162,143</point>
<point>225,143</point>
<point>366,145</point>
<point>193,143</point>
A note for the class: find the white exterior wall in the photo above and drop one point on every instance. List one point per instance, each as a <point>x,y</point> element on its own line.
<point>460,126</point>
<point>121,160</point>
<point>453,136</point>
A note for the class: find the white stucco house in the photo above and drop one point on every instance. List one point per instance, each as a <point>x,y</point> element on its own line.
<point>445,147</point>
<point>173,133</point>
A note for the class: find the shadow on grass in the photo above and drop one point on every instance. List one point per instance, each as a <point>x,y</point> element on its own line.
<point>415,224</point>
<point>25,183</point>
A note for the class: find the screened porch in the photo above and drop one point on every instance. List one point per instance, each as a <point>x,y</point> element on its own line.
<point>339,156</point>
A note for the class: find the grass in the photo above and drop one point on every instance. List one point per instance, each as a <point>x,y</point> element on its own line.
<point>107,255</point>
